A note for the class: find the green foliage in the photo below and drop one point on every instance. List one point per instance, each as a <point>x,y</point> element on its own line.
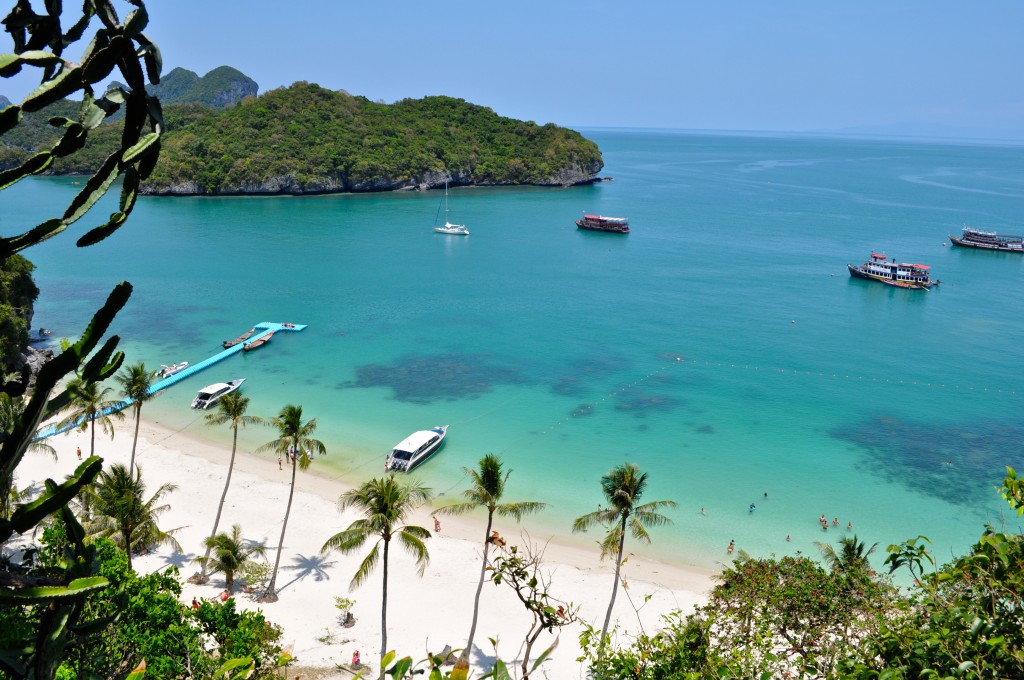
<point>323,139</point>
<point>18,292</point>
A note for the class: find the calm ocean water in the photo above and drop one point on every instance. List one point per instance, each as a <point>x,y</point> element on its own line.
<point>722,345</point>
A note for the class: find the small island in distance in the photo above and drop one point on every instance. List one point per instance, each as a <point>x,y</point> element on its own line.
<point>224,140</point>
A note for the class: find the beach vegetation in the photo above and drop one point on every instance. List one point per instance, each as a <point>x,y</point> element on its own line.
<point>122,512</point>
<point>623,488</point>
<point>230,554</point>
<point>296,441</point>
<point>18,293</point>
<point>852,555</point>
<point>384,504</point>
<point>231,409</point>
<point>523,572</point>
<point>135,381</point>
<point>486,490</point>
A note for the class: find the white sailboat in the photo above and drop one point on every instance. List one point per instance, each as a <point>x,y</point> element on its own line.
<point>449,228</point>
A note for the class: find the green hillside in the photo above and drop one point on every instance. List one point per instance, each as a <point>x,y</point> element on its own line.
<point>305,138</point>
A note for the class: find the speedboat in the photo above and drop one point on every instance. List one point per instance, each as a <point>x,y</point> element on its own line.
<point>168,371</point>
<point>211,394</point>
<point>415,449</point>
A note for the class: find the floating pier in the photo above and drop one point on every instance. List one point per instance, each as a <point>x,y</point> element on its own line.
<point>263,328</point>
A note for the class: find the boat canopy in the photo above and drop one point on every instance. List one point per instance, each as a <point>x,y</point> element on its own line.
<point>415,442</point>
<point>213,389</point>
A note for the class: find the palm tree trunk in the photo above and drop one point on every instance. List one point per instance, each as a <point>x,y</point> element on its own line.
<point>220,508</point>
<point>463,663</point>
<point>128,548</point>
<point>615,588</point>
<point>131,465</point>
<point>271,594</point>
<point>384,610</point>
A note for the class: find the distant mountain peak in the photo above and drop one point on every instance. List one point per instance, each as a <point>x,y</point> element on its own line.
<point>222,87</point>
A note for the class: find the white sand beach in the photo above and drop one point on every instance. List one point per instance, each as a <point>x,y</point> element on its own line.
<point>423,614</point>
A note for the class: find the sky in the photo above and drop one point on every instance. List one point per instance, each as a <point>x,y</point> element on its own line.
<point>928,67</point>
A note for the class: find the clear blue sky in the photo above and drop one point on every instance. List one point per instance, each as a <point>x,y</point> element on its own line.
<point>789,65</point>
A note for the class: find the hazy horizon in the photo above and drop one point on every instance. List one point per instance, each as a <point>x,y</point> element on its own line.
<point>911,68</point>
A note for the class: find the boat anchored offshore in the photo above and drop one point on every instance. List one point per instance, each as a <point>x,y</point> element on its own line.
<point>415,449</point>
<point>893,273</point>
<point>988,240</point>
<point>211,394</point>
<point>449,228</point>
<point>617,225</point>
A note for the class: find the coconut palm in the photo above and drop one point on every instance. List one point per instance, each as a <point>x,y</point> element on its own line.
<point>121,512</point>
<point>851,556</point>
<point>295,440</point>
<point>622,486</point>
<point>487,487</point>
<point>231,410</point>
<point>384,504</point>
<point>230,554</point>
<point>89,404</point>
<point>136,382</point>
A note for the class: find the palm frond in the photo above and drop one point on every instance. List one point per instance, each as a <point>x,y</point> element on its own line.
<point>413,542</point>
<point>366,568</point>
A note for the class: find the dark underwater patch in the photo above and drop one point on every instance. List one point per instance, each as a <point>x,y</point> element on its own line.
<point>441,377</point>
<point>641,405</point>
<point>583,374</point>
<point>957,464</point>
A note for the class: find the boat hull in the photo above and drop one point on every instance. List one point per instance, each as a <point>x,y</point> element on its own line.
<point>393,464</point>
<point>607,229</point>
<point>858,273</point>
<point>1012,248</point>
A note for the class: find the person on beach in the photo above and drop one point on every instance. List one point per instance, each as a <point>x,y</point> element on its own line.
<point>355,659</point>
<point>279,463</point>
<point>437,525</point>
<point>224,595</point>
<point>195,603</point>
<point>732,544</point>
<point>78,451</point>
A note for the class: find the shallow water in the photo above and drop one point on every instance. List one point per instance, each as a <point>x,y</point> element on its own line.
<point>721,345</point>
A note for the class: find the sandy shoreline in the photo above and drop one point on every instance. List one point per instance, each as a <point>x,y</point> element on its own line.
<point>423,614</point>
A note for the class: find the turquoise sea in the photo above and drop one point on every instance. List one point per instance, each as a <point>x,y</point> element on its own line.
<point>721,345</point>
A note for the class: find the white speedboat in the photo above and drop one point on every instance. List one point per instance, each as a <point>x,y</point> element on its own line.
<point>168,371</point>
<point>415,449</point>
<point>211,394</point>
<point>449,228</point>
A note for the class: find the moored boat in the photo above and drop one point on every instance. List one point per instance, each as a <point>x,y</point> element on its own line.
<point>241,338</point>
<point>211,394</point>
<point>258,342</point>
<point>988,240</point>
<point>168,371</point>
<point>892,273</point>
<point>415,449</point>
<point>617,225</point>
<point>449,228</point>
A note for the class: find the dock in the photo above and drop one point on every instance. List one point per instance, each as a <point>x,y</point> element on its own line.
<point>263,328</point>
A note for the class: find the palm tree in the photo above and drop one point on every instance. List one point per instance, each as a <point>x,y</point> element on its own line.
<point>486,491</point>
<point>122,514</point>
<point>231,410</point>
<point>851,557</point>
<point>295,439</point>
<point>230,554</point>
<point>384,504</point>
<point>622,486</point>
<point>135,384</point>
<point>90,405</point>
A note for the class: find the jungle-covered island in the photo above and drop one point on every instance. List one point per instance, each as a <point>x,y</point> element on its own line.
<point>305,139</point>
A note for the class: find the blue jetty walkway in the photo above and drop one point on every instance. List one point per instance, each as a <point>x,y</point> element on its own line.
<point>261,329</point>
